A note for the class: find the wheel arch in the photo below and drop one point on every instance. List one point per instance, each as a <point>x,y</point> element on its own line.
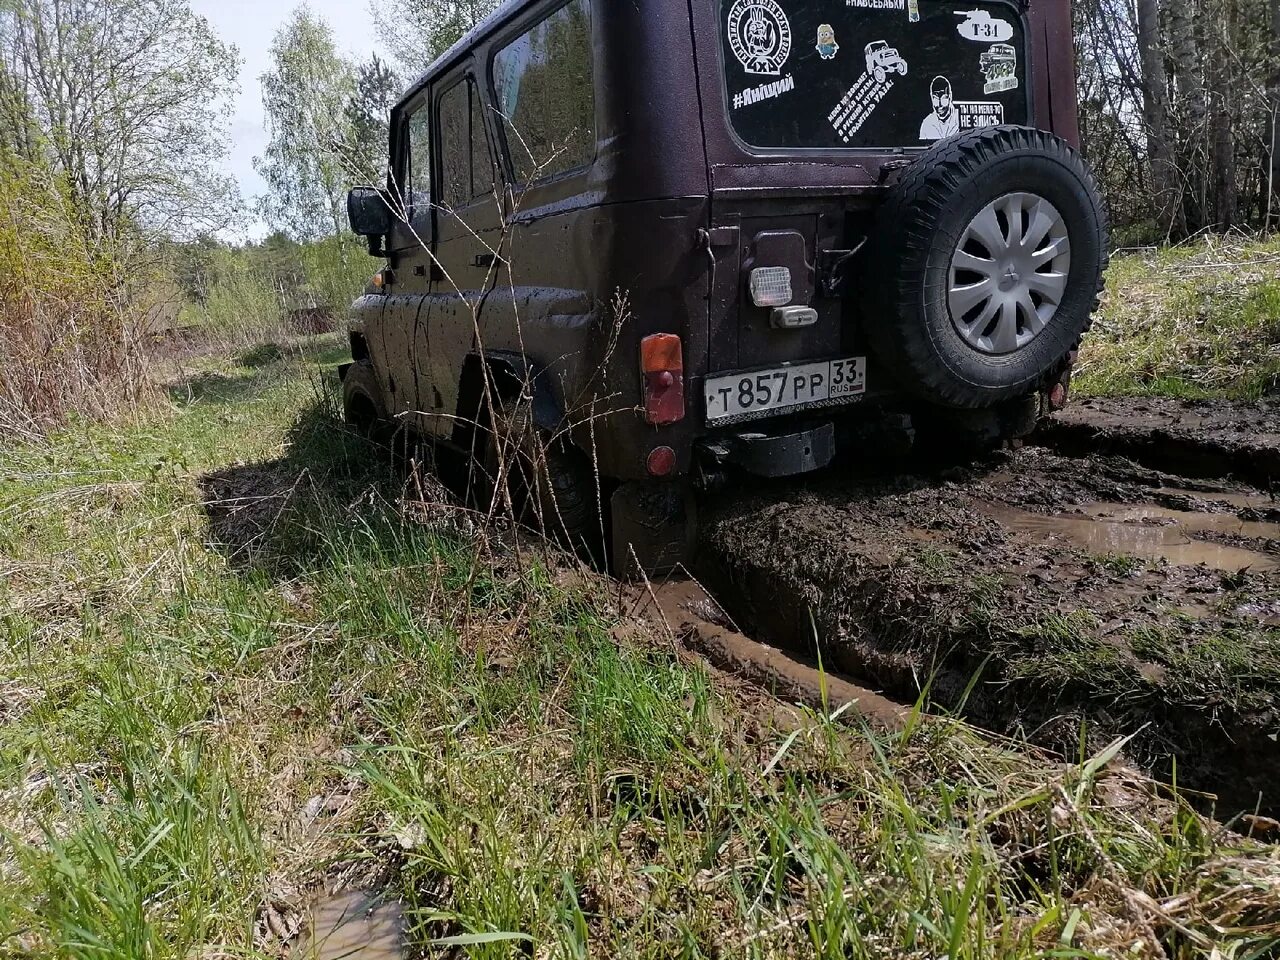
<point>509,374</point>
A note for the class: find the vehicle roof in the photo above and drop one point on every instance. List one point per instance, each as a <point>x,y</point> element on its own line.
<point>440,64</point>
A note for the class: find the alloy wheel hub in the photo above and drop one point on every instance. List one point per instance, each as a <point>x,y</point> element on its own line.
<point>1009,273</point>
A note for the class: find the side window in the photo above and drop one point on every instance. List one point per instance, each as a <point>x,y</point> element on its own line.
<point>545,93</point>
<point>418,166</point>
<point>481,159</point>
<point>455,147</point>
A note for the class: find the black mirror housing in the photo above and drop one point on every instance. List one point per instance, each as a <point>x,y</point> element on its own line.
<point>368,212</point>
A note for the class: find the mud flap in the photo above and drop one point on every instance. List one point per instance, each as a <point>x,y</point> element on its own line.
<point>654,528</point>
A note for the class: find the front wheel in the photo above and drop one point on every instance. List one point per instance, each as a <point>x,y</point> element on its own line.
<point>362,406</point>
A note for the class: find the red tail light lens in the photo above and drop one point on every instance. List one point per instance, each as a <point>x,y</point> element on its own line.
<point>662,364</point>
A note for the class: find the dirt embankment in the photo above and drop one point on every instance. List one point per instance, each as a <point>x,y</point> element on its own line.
<point>1040,594</point>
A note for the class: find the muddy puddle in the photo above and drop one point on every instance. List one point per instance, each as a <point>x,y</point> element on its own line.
<point>1180,653</point>
<point>1149,532</point>
<point>352,926</point>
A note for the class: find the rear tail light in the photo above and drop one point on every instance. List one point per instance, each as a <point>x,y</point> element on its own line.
<point>662,364</point>
<point>771,286</point>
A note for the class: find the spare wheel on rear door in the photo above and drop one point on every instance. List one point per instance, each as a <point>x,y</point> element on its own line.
<point>984,266</point>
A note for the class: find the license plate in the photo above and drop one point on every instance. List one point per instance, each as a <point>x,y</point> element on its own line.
<point>762,392</point>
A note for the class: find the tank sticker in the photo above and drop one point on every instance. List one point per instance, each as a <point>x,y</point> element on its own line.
<point>827,47</point>
<point>766,91</point>
<point>999,65</point>
<point>980,26</point>
<point>884,63</point>
<point>760,36</point>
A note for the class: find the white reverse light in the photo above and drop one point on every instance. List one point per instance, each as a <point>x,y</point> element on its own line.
<point>771,286</point>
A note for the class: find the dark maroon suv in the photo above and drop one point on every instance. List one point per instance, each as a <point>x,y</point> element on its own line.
<point>635,247</point>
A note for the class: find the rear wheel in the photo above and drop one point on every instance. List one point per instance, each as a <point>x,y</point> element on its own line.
<point>542,480</point>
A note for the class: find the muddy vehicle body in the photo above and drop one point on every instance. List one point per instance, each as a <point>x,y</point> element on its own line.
<point>692,240</point>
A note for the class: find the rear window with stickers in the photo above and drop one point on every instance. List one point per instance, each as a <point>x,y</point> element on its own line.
<point>871,73</point>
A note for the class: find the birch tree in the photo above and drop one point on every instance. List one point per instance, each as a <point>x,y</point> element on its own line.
<point>415,32</point>
<point>306,94</point>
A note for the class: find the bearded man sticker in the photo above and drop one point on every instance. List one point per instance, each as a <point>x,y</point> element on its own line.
<point>944,121</point>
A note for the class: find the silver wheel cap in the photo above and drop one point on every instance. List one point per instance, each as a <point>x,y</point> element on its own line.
<point>1009,273</point>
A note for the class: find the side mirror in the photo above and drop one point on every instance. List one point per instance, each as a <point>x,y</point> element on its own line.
<point>368,212</point>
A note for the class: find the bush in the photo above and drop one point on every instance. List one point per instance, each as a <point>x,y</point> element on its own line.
<point>70,336</point>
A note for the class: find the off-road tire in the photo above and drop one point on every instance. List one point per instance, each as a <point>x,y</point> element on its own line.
<point>362,406</point>
<point>550,483</point>
<point>907,269</point>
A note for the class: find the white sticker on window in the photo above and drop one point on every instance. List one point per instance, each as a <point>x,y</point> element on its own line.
<point>911,6</point>
<point>766,91</point>
<point>944,121</point>
<point>1000,67</point>
<point>950,116</point>
<point>979,25</point>
<point>760,36</point>
<point>884,64</point>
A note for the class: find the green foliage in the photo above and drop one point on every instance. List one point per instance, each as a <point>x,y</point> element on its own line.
<point>306,95</point>
<point>1196,321</point>
<point>369,120</point>
<point>415,32</point>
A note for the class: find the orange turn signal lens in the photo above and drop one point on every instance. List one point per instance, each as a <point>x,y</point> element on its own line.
<point>662,352</point>
<point>662,366</point>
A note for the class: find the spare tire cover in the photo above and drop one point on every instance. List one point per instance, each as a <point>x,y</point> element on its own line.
<point>984,266</point>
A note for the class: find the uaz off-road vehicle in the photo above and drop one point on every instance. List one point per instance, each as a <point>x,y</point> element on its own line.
<point>647,244</point>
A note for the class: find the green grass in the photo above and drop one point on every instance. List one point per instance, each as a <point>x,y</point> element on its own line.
<point>232,668</point>
<point>1199,321</point>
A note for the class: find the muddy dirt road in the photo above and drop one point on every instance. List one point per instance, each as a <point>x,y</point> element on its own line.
<point>1123,579</point>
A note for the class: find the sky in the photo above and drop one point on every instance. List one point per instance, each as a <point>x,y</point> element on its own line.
<point>250,25</point>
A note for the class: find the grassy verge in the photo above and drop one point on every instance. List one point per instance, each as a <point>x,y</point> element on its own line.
<point>234,668</point>
<point>1198,321</point>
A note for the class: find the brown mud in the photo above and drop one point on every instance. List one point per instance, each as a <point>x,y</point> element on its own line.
<point>1191,437</point>
<point>707,630</point>
<point>1039,595</point>
<point>352,926</point>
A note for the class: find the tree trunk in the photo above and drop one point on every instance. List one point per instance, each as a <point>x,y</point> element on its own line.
<point>1273,96</point>
<point>1223,166</point>
<point>1155,110</point>
<point>1190,107</point>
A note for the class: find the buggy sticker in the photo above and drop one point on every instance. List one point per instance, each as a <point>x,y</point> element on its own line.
<point>766,91</point>
<point>1000,66</point>
<point>884,63</point>
<point>827,46</point>
<point>883,60</point>
<point>950,116</point>
<point>979,25</point>
<point>760,36</point>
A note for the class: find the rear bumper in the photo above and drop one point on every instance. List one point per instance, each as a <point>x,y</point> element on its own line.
<point>787,452</point>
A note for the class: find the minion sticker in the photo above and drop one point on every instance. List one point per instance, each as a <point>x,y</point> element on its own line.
<point>827,46</point>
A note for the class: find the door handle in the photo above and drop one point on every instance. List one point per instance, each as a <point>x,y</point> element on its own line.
<point>485,260</point>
